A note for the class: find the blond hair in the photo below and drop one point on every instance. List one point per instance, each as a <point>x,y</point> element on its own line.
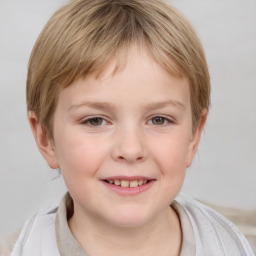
<point>84,35</point>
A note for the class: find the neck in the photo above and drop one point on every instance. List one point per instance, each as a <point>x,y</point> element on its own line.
<point>160,236</point>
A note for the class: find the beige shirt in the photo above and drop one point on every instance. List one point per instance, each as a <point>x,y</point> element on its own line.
<point>68,245</point>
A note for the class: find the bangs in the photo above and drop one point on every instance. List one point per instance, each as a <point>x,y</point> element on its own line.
<point>106,35</point>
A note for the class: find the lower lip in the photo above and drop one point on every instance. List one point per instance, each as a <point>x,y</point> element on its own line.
<point>129,191</point>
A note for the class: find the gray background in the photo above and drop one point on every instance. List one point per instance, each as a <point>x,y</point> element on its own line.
<point>224,170</point>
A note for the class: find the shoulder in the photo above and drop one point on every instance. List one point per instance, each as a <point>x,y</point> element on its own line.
<point>213,232</point>
<point>7,245</point>
<point>40,228</point>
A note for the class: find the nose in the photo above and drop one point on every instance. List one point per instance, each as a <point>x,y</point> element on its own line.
<point>129,146</point>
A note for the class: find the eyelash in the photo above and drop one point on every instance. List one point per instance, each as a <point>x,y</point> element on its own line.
<point>164,119</point>
<point>89,121</point>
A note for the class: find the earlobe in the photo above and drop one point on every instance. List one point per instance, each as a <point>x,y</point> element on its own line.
<point>44,143</point>
<point>193,145</point>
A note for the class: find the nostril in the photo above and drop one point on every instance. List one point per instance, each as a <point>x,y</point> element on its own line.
<point>130,152</point>
<point>140,158</point>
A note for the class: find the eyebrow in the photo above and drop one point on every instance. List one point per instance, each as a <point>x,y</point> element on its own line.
<point>109,105</point>
<point>162,104</point>
<point>94,105</point>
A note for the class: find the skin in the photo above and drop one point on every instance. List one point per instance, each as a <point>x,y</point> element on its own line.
<point>143,127</point>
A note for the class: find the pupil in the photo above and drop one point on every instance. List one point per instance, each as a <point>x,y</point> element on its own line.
<point>96,121</point>
<point>158,120</point>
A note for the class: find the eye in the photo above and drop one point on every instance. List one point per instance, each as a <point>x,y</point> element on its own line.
<point>95,121</point>
<point>159,120</point>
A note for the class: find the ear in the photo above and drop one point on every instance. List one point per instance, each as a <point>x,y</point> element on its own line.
<point>193,144</point>
<point>44,143</point>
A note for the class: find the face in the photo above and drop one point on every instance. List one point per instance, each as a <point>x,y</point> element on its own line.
<point>123,141</point>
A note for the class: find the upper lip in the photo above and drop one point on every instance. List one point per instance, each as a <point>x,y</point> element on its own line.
<point>128,178</point>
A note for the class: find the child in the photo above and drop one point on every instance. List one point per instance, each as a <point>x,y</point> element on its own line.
<point>118,95</point>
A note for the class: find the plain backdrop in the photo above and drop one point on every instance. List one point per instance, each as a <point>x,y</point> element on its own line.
<point>224,169</point>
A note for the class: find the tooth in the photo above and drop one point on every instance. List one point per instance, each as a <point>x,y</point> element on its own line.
<point>134,184</point>
<point>111,181</point>
<point>140,182</point>
<point>145,181</point>
<point>117,182</point>
<point>124,183</point>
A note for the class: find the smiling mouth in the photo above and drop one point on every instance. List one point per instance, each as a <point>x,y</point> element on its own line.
<point>127,183</point>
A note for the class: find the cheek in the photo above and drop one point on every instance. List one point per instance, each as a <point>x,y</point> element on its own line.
<point>171,153</point>
<point>79,160</point>
<point>80,156</point>
<point>170,157</point>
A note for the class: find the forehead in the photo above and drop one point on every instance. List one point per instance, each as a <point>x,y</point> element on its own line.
<point>136,59</point>
<point>141,79</point>
<point>125,55</point>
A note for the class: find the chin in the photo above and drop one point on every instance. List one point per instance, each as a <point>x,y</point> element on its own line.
<point>129,218</point>
<point>129,223</point>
